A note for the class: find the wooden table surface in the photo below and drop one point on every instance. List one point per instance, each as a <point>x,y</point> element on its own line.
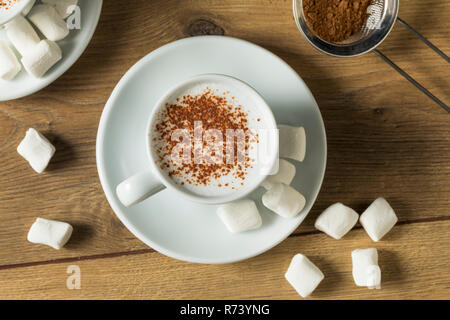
<point>385,138</point>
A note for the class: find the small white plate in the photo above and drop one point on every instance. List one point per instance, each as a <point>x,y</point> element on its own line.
<point>176,227</point>
<point>72,47</point>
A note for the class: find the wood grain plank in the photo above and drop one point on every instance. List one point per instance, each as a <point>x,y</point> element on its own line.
<point>413,266</point>
<point>385,138</point>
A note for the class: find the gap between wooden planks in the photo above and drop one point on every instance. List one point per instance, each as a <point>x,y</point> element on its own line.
<point>150,250</point>
<point>407,258</point>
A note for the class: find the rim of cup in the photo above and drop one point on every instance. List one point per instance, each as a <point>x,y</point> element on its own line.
<point>168,182</point>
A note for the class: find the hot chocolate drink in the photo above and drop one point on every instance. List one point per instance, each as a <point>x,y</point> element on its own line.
<point>205,137</point>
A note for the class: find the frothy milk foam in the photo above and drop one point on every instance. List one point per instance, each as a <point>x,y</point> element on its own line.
<point>237,97</point>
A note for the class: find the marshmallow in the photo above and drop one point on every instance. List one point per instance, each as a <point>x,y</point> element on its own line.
<point>239,216</point>
<point>284,200</point>
<point>292,142</point>
<point>336,220</point>
<point>64,7</point>
<point>303,275</point>
<point>9,65</point>
<point>46,54</point>
<point>36,149</point>
<point>28,7</point>
<point>22,35</point>
<point>366,271</point>
<point>50,232</point>
<point>49,22</point>
<point>378,219</point>
<point>285,174</point>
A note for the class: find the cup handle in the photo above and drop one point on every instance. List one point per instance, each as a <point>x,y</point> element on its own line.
<point>138,188</point>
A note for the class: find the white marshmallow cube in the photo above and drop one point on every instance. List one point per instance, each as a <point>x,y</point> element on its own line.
<point>45,55</point>
<point>366,271</point>
<point>22,35</point>
<point>284,200</point>
<point>303,275</point>
<point>336,220</point>
<point>64,7</point>
<point>49,22</point>
<point>9,64</point>
<point>28,7</point>
<point>36,149</point>
<point>292,143</point>
<point>378,219</point>
<point>240,216</point>
<point>50,232</point>
<point>285,174</point>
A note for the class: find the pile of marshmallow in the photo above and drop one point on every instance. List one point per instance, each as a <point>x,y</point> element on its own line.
<point>280,197</point>
<point>378,219</point>
<point>335,221</point>
<point>38,151</point>
<point>37,56</point>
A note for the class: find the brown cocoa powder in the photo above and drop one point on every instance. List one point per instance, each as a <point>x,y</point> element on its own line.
<point>6,4</point>
<point>335,20</point>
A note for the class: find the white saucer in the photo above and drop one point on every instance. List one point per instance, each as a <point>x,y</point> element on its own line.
<point>72,47</point>
<point>176,227</point>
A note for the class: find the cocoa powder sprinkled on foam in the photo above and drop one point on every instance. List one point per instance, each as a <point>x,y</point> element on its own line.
<point>6,4</point>
<point>213,112</point>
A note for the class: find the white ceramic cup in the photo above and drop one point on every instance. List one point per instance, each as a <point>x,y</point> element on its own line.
<point>13,11</point>
<point>149,182</point>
